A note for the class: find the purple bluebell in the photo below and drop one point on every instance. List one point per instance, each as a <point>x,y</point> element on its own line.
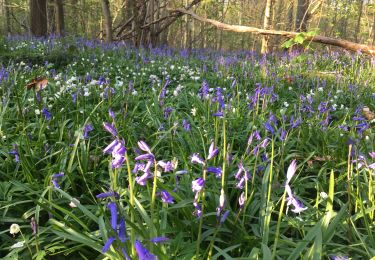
<point>372,154</point>
<point>55,177</point>
<point>142,252</point>
<point>218,114</point>
<point>111,146</point>
<point>167,166</point>
<point>212,151</point>
<point>122,230</point>
<point>111,114</point>
<point>146,156</point>
<point>198,210</point>
<point>138,167</point>
<point>108,244</point>
<point>142,179</point>
<point>269,127</point>
<point>292,200</point>
<point>88,128</point>
<point>216,170</point>
<point>204,90</point>
<point>166,197</point>
<point>118,155</point>
<point>224,216</point>
<point>144,147</point>
<point>113,210</point>
<point>47,114</point>
<point>291,171</point>
<point>197,185</point>
<point>74,98</point>
<point>196,159</point>
<point>15,153</point>
<point>110,129</point>
<point>167,112</point>
<point>186,125</point>
<point>108,194</point>
<point>159,239</point>
<point>295,123</point>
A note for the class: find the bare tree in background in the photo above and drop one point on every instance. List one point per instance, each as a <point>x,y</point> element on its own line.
<point>38,17</point>
<point>107,20</point>
<point>59,17</point>
<point>302,15</point>
<point>266,24</point>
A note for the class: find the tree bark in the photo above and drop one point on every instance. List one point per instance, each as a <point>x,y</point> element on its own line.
<point>8,25</point>
<point>302,15</point>
<point>351,46</point>
<point>59,16</point>
<point>38,17</point>
<point>358,26</point>
<point>266,25</point>
<point>107,20</point>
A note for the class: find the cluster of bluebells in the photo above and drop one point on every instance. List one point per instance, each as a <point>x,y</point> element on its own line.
<point>116,147</point>
<point>149,159</point>
<point>55,178</point>
<point>118,226</point>
<point>198,184</point>
<point>291,199</point>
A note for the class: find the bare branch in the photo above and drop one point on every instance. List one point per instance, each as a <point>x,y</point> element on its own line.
<point>352,46</point>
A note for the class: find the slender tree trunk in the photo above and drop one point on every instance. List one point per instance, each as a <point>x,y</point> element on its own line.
<point>266,25</point>
<point>107,20</point>
<point>59,16</point>
<point>38,17</point>
<point>302,15</point>
<point>8,25</point>
<point>358,27</point>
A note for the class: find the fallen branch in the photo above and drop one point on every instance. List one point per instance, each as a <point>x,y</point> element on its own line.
<point>352,46</point>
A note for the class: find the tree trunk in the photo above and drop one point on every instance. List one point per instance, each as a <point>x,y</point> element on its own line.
<point>38,17</point>
<point>351,46</point>
<point>358,27</point>
<point>107,20</point>
<point>302,15</point>
<point>8,24</point>
<point>266,25</point>
<point>59,16</point>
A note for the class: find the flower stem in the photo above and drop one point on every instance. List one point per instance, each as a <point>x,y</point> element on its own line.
<point>201,219</point>
<point>131,195</point>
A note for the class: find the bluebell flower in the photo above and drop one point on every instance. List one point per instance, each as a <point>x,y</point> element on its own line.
<point>88,128</point>
<point>197,185</point>
<point>159,239</point>
<point>142,252</point>
<point>122,230</point>
<point>108,194</point>
<point>15,153</point>
<point>212,151</point>
<point>113,210</point>
<point>224,216</point>
<point>110,129</point>
<point>216,170</point>
<point>108,244</point>
<point>166,197</point>
<point>47,114</point>
<point>167,166</point>
<point>111,114</point>
<point>55,177</point>
<point>186,125</point>
<point>144,147</point>
<point>196,159</point>
<point>167,112</point>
